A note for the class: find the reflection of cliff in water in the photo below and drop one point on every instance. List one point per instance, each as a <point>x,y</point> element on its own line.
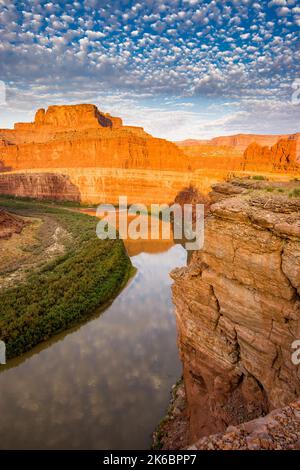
<point>135,247</point>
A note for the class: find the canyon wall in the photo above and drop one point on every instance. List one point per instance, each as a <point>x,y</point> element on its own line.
<point>238,307</point>
<point>82,136</point>
<point>282,156</point>
<point>105,185</point>
<point>39,185</point>
<point>258,153</point>
<point>239,142</point>
<point>101,158</point>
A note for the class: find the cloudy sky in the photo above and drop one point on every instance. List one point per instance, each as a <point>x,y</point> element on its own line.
<point>180,68</point>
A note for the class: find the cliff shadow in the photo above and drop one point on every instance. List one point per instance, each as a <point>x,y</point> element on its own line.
<point>41,186</point>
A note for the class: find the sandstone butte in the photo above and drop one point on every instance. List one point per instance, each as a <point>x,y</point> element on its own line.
<point>238,314</point>
<point>76,152</point>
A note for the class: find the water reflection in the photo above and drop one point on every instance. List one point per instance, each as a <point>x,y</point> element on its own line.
<point>105,384</point>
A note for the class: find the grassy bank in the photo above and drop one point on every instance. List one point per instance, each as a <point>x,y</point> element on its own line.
<point>64,291</point>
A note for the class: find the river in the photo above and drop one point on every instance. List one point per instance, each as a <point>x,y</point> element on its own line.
<point>104,384</point>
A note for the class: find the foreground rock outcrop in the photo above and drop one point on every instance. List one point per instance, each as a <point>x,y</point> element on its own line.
<point>10,224</point>
<point>238,307</point>
<point>279,430</point>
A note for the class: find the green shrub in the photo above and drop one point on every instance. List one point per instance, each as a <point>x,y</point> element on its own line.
<point>294,192</point>
<point>258,177</point>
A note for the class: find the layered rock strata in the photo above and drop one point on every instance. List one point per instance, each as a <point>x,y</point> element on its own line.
<point>260,153</point>
<point>238,307</point>
<point>81,136</point>
<point>10,224</point>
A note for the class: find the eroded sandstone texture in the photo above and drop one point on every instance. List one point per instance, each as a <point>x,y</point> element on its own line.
<point>238,307</point>
<point>282,156</point>
<point>81,136</point>
<point>279,430</point>
<point>102,158</point>
<point>10,224</point>
<point>245,152</point>
<point>47,186</point>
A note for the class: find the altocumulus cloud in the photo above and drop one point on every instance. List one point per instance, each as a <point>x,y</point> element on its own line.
<point>181,68</point>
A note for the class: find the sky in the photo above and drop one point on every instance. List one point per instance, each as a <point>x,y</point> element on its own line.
<point>179,68</point>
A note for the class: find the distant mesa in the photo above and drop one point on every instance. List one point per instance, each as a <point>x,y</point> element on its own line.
<point>238,141</point>
<point>82,116</point>
<point>82,136</point>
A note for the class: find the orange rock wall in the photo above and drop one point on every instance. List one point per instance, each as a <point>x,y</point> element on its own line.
<point>115,149</point>
<point>105,185</point>
<point>282,156</point>
<point>227,153</point>
<point>237,308</point>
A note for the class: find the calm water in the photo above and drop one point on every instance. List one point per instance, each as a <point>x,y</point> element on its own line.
<point>106,383</point>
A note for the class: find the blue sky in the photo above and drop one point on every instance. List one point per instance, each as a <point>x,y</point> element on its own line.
<point>180,68</point>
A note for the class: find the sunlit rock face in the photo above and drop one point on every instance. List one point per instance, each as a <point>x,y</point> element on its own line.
<point>282,156</point>
<point>47,186</point>
<point>245,152</point>
<point>238,308</point>
<point>79,142</point>
<point>101,158</point>
<point>82,136</point>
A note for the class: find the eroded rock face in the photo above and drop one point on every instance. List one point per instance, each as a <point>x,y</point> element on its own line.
<point>283,156</point>
<point>47,186</point>
<point>10,224</point>
<point>238,309</point>
<point>103,185</point>
<point>245,152</point>
<point>279,430</point>
<point>84,144</point>
<point>82,136</point>
<point>238,141</point>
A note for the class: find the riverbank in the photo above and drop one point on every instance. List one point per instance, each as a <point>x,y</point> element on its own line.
<point>58,291</point>
<point>172,431</point>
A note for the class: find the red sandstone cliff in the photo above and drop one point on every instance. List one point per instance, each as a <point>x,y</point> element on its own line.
<point>237,309</point>
<point>82,136</point>
<point>97,158</point>
<point>245,152</point>
<point>283,156</point>
<point>238,141</point>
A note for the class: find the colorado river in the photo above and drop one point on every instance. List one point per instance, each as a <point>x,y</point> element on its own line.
<point>104,384</point>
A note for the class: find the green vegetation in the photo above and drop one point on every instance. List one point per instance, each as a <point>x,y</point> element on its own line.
<point>51,202</point>
<point>67,289</point>
<point>258,177</point>
<point>294,192</point>
<point>161,431</point>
